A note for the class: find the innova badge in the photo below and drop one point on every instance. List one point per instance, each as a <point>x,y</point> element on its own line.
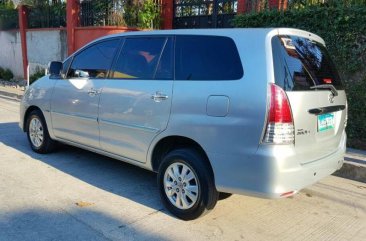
<point>331,98</point>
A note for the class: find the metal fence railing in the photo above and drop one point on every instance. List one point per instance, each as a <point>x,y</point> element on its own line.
<point>8,19</point>
<point>47,15</point>
<point>118,13</point>
<point>101,13</point>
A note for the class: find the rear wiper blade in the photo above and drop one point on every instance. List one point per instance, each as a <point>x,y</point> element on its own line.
<point>327,87</point>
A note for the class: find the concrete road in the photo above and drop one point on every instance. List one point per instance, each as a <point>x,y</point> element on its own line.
<point>78,195</point>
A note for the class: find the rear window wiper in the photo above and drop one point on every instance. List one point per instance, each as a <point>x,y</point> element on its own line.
<point>327,87</point>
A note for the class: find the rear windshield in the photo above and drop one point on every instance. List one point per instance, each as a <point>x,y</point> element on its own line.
<point>300,63</point>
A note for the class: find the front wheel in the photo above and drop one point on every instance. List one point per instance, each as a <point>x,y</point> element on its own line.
<point>186,184</point>
<point>37,133</point>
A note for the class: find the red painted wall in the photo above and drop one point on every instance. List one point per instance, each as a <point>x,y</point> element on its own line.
<point>84,35</point>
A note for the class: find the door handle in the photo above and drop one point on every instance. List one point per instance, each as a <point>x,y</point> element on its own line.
<point>93,92</point>
<point>158,96</point>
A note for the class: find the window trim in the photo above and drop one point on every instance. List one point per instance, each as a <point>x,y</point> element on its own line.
<point>121,44</point>
<point>81,50</point>
<point>167,37</point>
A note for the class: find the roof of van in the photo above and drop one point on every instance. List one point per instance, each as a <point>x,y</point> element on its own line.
<point>225,32</point>
<point>200,31</point>
<point>197,32</point>
<point>260,33</point>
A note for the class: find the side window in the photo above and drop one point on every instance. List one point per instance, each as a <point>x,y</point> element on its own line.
<point>207,58</point>
<point>139,58</point>
<point>95,61</point>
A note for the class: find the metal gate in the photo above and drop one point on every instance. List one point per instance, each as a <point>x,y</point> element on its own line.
<point>204,13</point>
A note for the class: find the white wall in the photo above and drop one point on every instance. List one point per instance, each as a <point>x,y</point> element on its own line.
<point>11,52</point>
<point>44,46</point>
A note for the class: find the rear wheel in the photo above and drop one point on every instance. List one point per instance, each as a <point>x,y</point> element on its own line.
<point>186,184</point>
<point>37,133</point>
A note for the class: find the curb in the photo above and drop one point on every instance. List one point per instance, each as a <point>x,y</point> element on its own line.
<point>354,166</point>
<point>352,171</point>
<point>10,96</point>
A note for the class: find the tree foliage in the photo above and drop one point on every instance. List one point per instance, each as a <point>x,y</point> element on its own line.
<point>131,13</point>
<point>8,15</point>
<point>149,15</point>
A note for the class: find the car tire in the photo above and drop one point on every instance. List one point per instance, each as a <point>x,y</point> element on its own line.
<point>37,133</point>
<point>186,184</point>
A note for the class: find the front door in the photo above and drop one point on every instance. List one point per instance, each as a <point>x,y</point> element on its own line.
<point>75,100</point>
<point>136,100</point>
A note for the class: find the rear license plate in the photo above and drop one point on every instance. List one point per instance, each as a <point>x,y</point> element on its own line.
<point>325,122</point>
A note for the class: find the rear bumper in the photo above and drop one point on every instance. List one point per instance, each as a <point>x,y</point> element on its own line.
<point>269,174</point>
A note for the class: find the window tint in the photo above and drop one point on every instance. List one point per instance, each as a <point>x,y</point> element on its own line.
<point>301,63</point>
<point>207,58</point>
<point>95,61</point>
<point>139,58</point>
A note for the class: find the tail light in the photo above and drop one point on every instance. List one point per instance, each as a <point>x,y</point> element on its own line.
<point>280,125</point>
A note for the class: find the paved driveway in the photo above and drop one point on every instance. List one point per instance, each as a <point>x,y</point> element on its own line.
<point>78,195</point>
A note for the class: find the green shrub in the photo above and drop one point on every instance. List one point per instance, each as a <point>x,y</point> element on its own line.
<point>356,129</point>
<point>38,74</point>
<point>343,28</point>
<point>7,74</point>
<point>1,73</point>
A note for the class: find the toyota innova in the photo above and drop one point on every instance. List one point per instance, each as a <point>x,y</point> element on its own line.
<point>248,111</point>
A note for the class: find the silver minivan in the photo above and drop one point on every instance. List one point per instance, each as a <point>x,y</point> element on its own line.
<point>248,111</point>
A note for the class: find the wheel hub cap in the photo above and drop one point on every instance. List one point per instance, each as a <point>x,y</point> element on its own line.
<point>181,185</point>
<point>36,132</point>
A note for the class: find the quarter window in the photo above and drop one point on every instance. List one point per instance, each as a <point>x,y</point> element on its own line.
<point>65,66</point>
<point>207,58</point>
<point>139,58</point>
<point>95,61</point>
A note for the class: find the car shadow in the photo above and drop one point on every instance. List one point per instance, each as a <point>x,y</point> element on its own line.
<point>111,175</point>
<point>68,225</point>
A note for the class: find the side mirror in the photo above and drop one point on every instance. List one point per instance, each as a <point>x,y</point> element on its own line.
<point>54,68</point>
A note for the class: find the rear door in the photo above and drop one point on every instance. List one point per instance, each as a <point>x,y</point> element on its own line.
<point>305,71</point>
<point>136,100</point>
